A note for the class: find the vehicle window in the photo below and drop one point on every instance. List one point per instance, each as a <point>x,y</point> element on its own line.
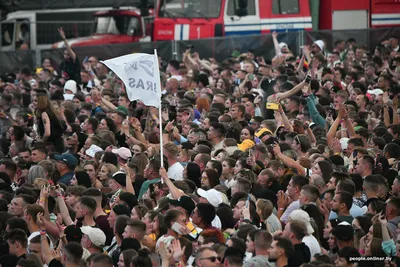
<point>134,27</point>
<point>285,6</point>
<point>7,32</point>
<point>118,25</point>
<point>251,7</point>
<point>22,33</point>
<point>190,8</point>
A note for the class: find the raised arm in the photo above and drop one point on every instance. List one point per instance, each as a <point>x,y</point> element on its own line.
<point>67,46</point>
<point>46,251</point>
<point>175,192</point>
<point>276,44</point>
<point>285,120</point>
<point>63,208</point>
<point>284,95</point>
<point>288,161</point>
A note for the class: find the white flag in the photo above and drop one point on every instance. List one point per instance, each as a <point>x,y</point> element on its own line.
<point>141,76</point>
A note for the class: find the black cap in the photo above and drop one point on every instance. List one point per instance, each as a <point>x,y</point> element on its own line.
<point>120,178</point>
<point>73,233</point>
<point>343,232</point>
<point>122,209</point>
<point>184,202</point>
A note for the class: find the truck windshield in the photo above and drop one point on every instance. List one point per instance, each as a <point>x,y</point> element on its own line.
<point>117,25</point>
<point>190,8</point>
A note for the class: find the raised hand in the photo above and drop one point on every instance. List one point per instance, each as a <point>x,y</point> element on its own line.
<point>177,249</point>
<point>163,173</point>
<point>274,34</point>
<point>164,252</point>
<point>62,33</point>
<point>56,253</point>
<point>40,221</point>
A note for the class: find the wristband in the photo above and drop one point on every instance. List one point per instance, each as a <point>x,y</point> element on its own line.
<point>166,132</point>
<point>42,232</point>
<point>282,209</point>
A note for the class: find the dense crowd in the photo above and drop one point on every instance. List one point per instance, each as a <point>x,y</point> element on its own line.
<point>290,161</point>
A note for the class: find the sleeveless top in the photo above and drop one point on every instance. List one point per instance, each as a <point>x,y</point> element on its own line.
<point>57,127</point>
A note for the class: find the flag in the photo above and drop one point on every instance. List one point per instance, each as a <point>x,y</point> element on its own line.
<point>141,76</point>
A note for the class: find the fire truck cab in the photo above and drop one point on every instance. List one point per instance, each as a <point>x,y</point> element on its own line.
<point>116,26</point>
<point>194,19</point>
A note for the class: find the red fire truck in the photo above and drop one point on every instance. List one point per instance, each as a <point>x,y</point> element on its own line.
<point>194,19</point>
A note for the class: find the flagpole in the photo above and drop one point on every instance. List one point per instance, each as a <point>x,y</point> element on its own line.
<point>160,115</point>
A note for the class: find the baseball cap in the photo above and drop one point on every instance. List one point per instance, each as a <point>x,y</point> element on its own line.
<point>213,196</point>
<point>73,233</point>
<point>92,150</point>
<point>282,45</point>
<point>67,159</point>
<point>120,177</point>
<point>344,231</point>
<point>184,202</point>
<point>123,109</point>
<point>123,152</point>
<point>301,215</point>
<point>375,92</point>
<point>343,142</point>
<point>96,236</point>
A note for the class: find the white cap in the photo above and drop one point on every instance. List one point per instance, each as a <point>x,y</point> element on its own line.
<point>375,92</point>
<point>96,236</point>
<point>70,85</point>
<point>301,215</point>
<point>282,45</point>
<point>92,150</point>
<point>123,152</point>
<point>320,44</point>
<point>343,142</point>
<point>213,196</point>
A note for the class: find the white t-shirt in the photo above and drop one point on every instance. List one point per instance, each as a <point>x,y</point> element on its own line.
<point>312,244</point>
<point>176,171</point>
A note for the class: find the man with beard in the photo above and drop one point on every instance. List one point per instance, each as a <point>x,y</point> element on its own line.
<point>280,251</point>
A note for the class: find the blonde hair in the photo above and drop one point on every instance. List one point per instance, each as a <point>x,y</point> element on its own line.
<point>39,182</point>
<point>266,207</point>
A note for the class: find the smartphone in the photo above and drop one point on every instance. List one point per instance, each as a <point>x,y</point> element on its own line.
<point>308,78</point>
<point>250,153</point>
<point>384,209</point>
<point>247,201</point>
<point>177,227</point>
<point>273,106</point>
<point>86,59</point>
<point>251,77</point>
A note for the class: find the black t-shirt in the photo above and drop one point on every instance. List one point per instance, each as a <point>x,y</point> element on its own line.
<point>73,69</point>
<point>301,255</point>
<point>121,139</point>
<point>55,263</point>
<point>103,224</point>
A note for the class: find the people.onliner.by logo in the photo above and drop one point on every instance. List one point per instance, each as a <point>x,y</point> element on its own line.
<point>358,259</point>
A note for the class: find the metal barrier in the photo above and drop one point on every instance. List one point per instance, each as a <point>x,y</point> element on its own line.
<point>218,48</point>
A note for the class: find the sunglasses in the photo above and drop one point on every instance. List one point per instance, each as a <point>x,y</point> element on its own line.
<point>212,259</point>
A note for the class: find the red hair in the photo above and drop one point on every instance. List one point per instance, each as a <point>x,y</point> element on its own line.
<point>202,104</point>
<point>215,234</point>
